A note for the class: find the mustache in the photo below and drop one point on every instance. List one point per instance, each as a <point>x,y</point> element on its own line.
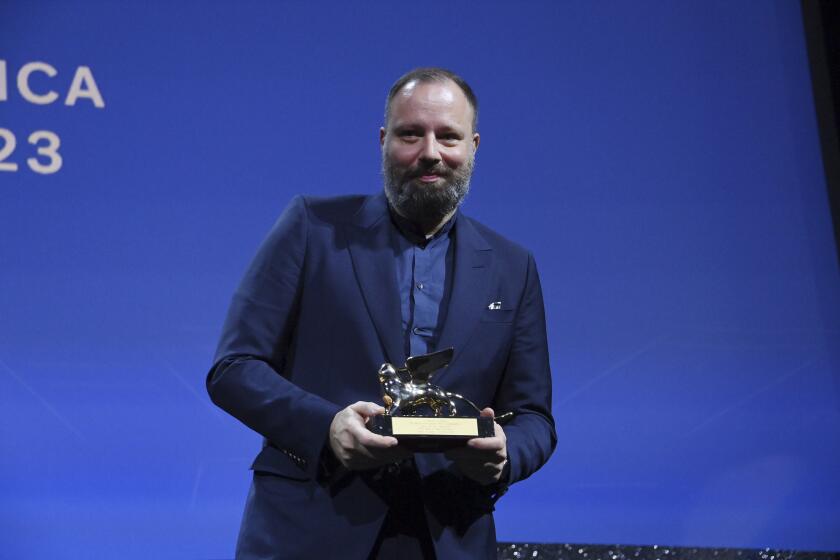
<point>438,169</point>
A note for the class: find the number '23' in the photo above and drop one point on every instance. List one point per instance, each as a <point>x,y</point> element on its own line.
<point>48,149</point>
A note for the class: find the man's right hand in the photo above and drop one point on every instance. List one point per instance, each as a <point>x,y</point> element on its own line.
<point>356,447</point>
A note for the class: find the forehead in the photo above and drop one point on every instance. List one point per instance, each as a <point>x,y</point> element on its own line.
<point>433,103</point>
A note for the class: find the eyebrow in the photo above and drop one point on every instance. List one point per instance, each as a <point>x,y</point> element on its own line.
<point>409,126</point>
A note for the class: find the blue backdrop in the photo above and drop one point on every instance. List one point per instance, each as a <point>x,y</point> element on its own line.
<point>660,158</point>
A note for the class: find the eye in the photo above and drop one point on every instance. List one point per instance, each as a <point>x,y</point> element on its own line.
<point>409,135</point>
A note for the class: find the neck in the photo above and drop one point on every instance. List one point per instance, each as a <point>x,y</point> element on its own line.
<point>420,228</point>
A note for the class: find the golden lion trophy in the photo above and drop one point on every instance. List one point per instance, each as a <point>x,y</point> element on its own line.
<point>422,415</point>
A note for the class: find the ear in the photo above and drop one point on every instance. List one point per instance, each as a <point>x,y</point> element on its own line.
<point>476,140</point>
<point>381,136</point>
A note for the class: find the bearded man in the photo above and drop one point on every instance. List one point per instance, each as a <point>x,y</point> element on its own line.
<point>342,285</point>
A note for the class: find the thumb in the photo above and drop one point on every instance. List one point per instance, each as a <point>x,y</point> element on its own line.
<point>488,412</point>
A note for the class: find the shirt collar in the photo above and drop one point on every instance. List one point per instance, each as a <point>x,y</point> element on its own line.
<point>410,231</point>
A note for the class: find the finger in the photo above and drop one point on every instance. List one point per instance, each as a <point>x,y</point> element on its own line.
<point>487,412</point>
<point>367,409</point>
<point>474,458</point>
<point>368,439</point>
<point>486,443</point>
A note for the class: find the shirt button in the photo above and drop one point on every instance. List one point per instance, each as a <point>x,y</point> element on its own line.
<point>416,330</point>
<point>419,285</point>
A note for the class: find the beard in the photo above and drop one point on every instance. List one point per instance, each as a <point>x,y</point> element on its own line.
<point>426,204</point>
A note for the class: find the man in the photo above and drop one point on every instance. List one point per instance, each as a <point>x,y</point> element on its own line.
<point>342,285</point>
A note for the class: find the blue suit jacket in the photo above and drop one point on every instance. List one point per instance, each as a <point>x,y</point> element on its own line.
<point>316,314</point>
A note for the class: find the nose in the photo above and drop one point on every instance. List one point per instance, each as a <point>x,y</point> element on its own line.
<point>430,153</point>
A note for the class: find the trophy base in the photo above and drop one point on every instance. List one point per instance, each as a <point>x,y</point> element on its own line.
<point>431,434</point>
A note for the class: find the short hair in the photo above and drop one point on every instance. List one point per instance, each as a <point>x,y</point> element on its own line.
<point>432,74</point>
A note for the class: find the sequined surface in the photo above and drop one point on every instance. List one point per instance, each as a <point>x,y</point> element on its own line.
<point>523,551</point>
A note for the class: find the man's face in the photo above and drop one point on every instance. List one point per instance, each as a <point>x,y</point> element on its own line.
<point>428,151</point>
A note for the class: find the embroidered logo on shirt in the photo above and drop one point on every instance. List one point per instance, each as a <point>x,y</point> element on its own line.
<point>495,305</point>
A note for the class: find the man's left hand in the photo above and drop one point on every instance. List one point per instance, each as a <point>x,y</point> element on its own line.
<point>482,459</point>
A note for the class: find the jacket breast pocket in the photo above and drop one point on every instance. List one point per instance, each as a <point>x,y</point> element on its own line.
<point>498,315</point>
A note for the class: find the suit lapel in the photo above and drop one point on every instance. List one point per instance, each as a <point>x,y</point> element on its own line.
<point>369,241</point>
<point>473,259</point>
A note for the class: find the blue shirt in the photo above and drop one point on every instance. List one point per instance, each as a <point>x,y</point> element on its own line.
<point>424,281</point>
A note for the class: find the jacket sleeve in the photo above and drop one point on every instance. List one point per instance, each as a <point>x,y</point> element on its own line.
<point>247,379</point>
<point>525,388</point>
